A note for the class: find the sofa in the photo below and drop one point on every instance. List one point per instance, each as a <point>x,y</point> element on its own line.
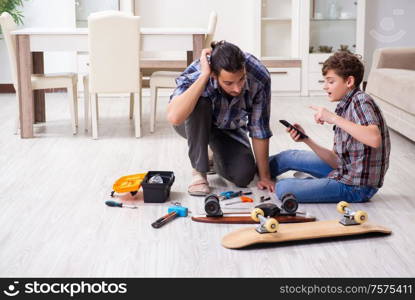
<point>391,83</point>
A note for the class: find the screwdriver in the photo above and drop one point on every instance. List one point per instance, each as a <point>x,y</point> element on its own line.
<point>232,194</point>
<point>243,199</point>
<point>119,204</point>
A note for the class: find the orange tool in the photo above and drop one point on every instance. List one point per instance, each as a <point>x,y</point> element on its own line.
<point>242,200</point>
<point>128,184</point>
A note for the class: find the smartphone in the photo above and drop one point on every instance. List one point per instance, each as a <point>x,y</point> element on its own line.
<point>288,125</point>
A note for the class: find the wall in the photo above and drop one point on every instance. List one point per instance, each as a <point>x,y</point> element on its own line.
<point>388,24</point>
<point>236,20</point>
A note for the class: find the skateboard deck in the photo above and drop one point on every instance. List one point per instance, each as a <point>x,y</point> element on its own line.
<point>299,231</point>
<point>248,220</point>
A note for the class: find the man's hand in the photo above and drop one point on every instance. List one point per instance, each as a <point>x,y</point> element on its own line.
<point>266,184</point>
<point>204,63</point>
<point>323,115</point>
<point>295,135</point>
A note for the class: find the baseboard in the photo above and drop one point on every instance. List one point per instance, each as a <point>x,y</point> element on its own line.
<point>6,88</point>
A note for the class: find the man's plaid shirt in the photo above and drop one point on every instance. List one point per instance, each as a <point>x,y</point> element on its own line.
<point>359,164</point>
<point>250,111</point>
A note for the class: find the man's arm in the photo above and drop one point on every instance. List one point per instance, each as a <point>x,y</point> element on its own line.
<point>182,106</point>
<point>261,152</point>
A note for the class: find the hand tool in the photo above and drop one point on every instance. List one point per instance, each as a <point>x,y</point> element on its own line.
<point>232,194</point>
<point>172,213</point>
<point>119,204</point>
<point>243,199</point>
<point>263,199</point>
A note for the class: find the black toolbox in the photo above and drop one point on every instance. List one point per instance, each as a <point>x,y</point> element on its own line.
<point>157,192</point>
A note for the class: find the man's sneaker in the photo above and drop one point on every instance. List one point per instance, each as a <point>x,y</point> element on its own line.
<point>199,185</point>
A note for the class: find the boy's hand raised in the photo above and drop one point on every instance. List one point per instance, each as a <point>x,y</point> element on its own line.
<point>323,115</point>
<point>295,135</point>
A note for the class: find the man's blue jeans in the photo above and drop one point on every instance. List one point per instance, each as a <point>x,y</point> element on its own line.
<point>318,190</point>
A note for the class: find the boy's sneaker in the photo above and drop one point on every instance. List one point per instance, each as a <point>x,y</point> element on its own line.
<point>302,175</point>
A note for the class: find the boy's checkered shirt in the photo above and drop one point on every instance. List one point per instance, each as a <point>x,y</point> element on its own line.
<point>359,164</point>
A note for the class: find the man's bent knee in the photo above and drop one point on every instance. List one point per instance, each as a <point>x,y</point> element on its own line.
<point>243,178</point>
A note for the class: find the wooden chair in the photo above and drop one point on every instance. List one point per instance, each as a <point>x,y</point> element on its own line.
<point>114,53</point>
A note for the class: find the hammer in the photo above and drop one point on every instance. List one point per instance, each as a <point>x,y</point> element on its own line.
<point>172,213</point>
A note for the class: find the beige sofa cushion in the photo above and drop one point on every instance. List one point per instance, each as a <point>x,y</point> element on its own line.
<point>395,86</point>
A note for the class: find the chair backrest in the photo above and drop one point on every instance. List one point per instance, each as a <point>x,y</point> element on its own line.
<point>213,18</point>
<point>8,25</point>
<point>114,52</point>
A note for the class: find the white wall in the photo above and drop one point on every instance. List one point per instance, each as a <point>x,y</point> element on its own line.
<point>53,13</point>
<point>388,24</point>
<point>236,19</point>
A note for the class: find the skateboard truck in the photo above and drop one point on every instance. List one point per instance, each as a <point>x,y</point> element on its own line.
<point>266,224</point>
<point>350,217</point>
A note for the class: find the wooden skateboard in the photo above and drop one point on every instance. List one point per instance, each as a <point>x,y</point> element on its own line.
<point>268,210</point>
<point>269,231</point>
<point>248,220</point>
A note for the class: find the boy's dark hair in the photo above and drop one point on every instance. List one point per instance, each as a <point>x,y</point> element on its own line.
<point>226,56</point>
<point>345,64</point>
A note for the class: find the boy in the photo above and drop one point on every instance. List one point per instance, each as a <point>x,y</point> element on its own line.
<point>355,168</point>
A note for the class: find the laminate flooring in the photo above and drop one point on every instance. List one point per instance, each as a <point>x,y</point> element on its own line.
<point>54,223</point>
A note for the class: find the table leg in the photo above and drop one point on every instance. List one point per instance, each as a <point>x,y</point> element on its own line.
<point>39,95</point>
<point>24,71</point>
<point>189,57</point>
<point>198,40</point>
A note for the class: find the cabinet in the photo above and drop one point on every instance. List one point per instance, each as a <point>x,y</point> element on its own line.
<point>279,29</point>
<point>278,44</point>
<point>329,26</point>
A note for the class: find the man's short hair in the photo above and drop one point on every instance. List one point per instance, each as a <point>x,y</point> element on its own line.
<point>226,56</point>
<point>345,64</point>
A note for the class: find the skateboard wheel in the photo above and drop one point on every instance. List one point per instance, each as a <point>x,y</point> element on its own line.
<point>290,204</point>
<point>341,206</point>
<point>271,225</point>
<point>212,206</point>
<point>360,217</point>
<point>255,214</point>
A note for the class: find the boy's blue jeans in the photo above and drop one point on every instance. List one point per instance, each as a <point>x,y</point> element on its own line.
<point>319,190</point>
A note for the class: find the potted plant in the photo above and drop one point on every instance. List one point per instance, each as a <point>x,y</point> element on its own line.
<point>13,8</point>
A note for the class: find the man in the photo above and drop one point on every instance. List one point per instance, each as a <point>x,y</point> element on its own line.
<point>354,169</point>
<point>218,99</point>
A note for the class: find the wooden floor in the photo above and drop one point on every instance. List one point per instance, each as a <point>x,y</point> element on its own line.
<point>54,221</point>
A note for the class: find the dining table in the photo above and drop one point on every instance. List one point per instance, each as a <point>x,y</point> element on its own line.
<point>33,42</point>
